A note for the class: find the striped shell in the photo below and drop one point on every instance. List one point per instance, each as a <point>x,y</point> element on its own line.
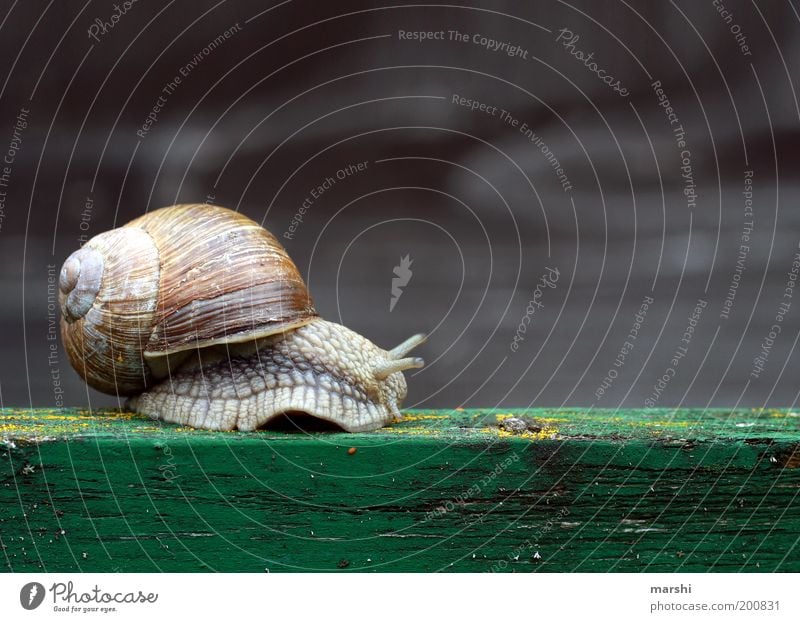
<point>140,298</point>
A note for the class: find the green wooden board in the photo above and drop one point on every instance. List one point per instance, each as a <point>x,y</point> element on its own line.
<point>578,490</point>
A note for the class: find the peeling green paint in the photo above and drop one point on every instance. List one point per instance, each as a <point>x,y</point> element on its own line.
<point>587,490</point>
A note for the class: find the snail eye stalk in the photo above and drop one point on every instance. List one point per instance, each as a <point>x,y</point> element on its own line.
<point>384,370</point>
<point>408,345</point>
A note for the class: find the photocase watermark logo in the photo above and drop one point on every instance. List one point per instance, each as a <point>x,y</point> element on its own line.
<point>548,280</point>
<point>403,275</point>
<point>31,595</point>
<point>67,598</point>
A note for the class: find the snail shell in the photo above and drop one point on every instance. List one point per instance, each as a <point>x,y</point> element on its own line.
<point>135,299</point>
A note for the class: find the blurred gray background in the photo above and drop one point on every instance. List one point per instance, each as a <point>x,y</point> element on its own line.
<point>297,91</point>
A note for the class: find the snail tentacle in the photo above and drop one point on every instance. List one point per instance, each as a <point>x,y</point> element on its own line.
<point>408,345</point>
<point>384,370</point>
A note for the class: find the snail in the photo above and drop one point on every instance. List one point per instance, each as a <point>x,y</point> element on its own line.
<point>199,315</point>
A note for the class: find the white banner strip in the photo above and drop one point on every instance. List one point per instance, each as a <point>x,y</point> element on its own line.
<point>389,597</point>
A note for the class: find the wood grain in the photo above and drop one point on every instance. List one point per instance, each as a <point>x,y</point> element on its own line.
<point>638,490</point>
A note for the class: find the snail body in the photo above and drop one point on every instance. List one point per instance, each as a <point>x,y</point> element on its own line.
<point>199,315</point>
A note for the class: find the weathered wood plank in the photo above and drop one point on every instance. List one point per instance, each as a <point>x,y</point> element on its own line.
<point>639,490</point>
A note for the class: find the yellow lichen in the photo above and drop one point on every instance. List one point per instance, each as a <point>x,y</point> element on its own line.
<point>416,430</point>
<point>502,416</point>
<point>422,417</point>
<point>544,434</point>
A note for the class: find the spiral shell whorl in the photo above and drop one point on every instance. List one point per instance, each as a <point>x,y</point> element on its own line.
<point>79,282</point>
<point>108,291</point>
